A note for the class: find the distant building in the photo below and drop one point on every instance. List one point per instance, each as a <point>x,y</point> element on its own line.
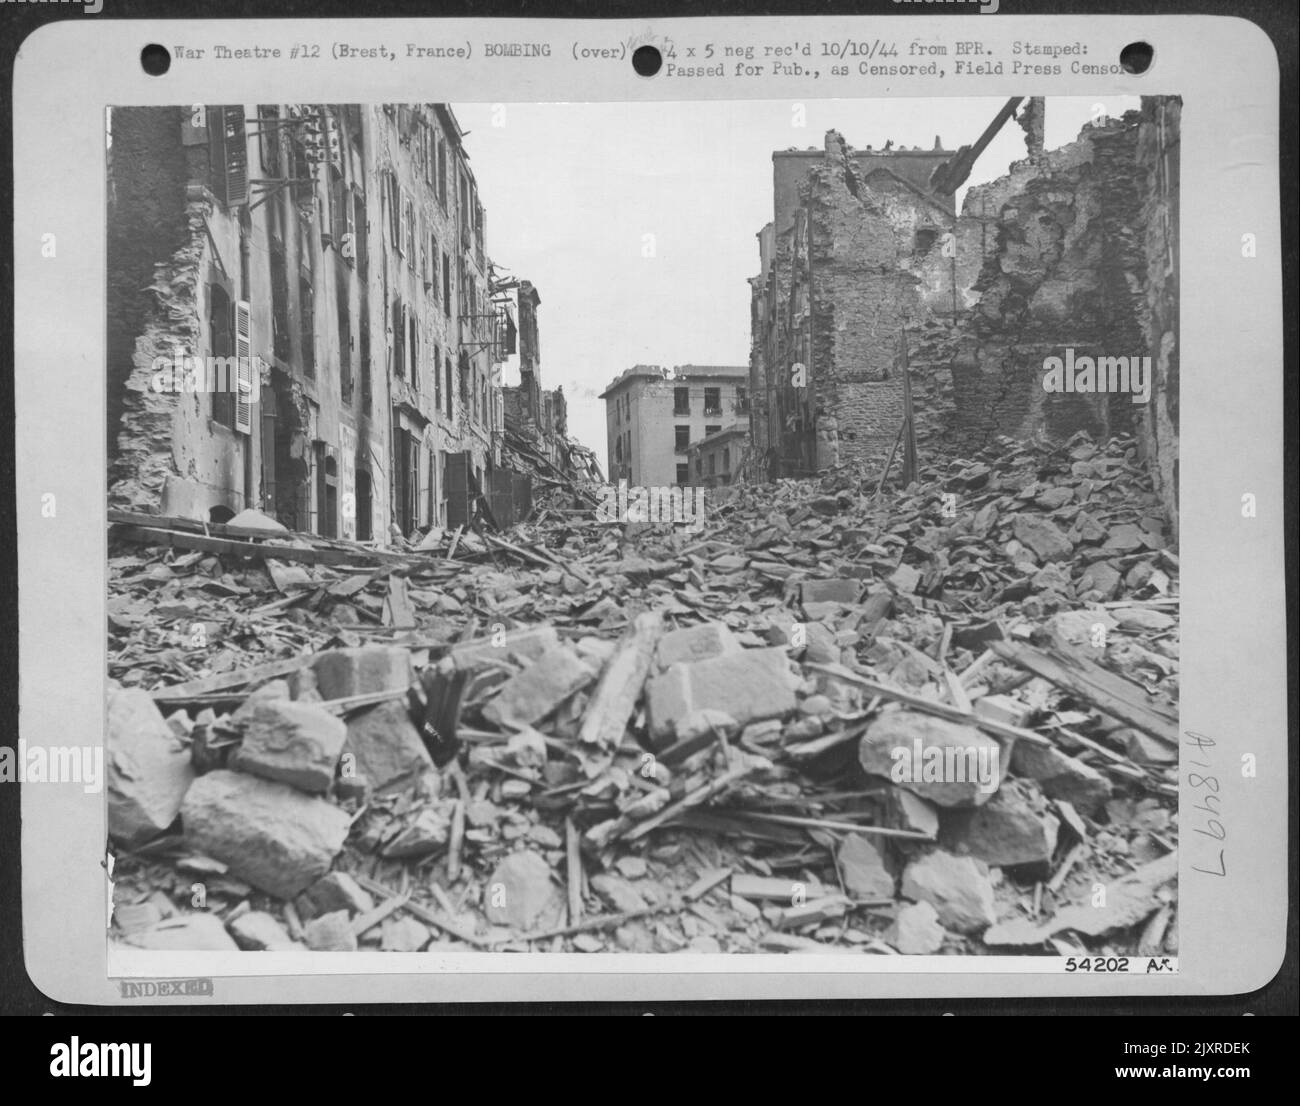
<point>715,461</point>
<point>652,416</point>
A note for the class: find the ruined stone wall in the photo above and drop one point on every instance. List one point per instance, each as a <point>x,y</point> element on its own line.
<point>1158,158</point>
<point>153,265</point>
<point>863,295</point>
<point>168,241</point>
<point>1055,257</point>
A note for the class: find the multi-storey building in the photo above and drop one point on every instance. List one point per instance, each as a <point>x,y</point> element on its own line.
<point>850,256</point>
<point>718,459</point>
<point>652,416</point>
<point>337,254</point>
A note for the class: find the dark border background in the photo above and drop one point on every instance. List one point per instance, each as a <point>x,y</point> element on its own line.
<point>18,996</point>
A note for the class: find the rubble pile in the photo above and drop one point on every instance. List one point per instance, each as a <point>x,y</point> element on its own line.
<point>921,721</point>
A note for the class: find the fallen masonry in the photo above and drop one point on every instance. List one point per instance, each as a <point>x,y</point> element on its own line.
<point>930,720</point>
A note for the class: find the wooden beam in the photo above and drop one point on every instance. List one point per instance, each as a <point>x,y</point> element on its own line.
<point>1087,680</point>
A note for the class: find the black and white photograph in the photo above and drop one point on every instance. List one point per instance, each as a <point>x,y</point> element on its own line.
<point>703,527</point>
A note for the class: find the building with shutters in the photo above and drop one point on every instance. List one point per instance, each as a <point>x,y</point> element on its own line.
<point>333,258</point>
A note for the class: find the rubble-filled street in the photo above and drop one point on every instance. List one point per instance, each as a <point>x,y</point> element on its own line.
<point>938,719</point>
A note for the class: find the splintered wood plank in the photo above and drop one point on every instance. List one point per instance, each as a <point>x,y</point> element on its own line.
<point>220,681</point>
<point>620,684</point>
<point>1084,678</point>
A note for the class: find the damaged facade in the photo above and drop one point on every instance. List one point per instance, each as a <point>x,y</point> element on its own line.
<point>536,420</point>
<point>653,416</point>
<point>337,254</point>
<point>866,269</point>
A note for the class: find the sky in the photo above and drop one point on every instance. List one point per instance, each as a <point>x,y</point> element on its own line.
<point>572,191</point>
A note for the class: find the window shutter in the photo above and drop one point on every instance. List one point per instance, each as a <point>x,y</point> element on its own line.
<point>236,155</point>
<point>349,223</point>
<point>394,215</point>
<point>244,367</point>
<point>401,226</point>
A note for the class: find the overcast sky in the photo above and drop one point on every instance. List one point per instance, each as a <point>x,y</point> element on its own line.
<point>571,191</point>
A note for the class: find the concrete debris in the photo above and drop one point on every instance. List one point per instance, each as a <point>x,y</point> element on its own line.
<point>148,769</point>
<point>520,894</point>
<point>383,747</point>
<point>750,685</point>
<point>865,873</point>
<point>190,932</point>
<point>1014,828</point>
<point>343,673</point>
<point>695,643</point>
<point>260,932</point>
<point>958,888</point>
<point>946,763</point>
<point>829,721</point>
<point>1125,903</point>
<point>530,696</point>
<point>1061,776</point>
<point>336,891</point>
<point>276,837</point>
<point>294,743</point>
<point>916,931</point>
<point>331,933</point>
<point>404,934</point>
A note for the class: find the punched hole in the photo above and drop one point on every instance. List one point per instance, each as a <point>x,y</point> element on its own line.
<point>1136,57</point>
<point>647,60</point>
<point>155,60</point>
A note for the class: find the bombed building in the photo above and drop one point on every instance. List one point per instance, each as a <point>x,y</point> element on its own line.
<point>876,300</point>
<point>302,317</point>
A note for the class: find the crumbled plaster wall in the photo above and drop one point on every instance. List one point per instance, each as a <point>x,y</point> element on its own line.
<point>1062,264</point>
<point>1158,154</point>
<point>150,304</point>
<point>863,294</point>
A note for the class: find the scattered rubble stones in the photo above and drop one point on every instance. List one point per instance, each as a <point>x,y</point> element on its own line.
<point>147,769</point>
<point>581,717</point>
<point>1043,536</point>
